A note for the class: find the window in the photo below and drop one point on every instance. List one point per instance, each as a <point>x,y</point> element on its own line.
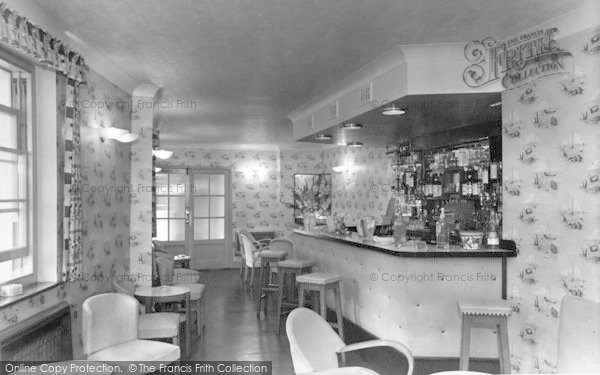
<point>209,206</point>
<point>170,206</point>
<point>16,255</point>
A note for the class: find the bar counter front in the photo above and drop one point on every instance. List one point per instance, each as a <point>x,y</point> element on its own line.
<point>409,294</point>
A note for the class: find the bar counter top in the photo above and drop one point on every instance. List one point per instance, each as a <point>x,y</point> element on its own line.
<point>409,249</point>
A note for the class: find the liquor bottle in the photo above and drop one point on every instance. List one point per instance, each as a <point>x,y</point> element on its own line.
<point>442,232</point>
<point>475,183</point>
<point>493,241</point>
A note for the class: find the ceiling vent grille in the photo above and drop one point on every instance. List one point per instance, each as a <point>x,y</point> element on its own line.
<point>366,93</point>
<point>334,110</point>
<point>310,122</point>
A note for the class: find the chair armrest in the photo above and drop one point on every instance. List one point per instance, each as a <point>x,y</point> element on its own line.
<point>185,276</point>
<point>262,244</point>
<point>378,343</point>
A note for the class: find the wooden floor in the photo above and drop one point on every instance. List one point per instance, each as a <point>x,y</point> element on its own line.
<point>234,333</point>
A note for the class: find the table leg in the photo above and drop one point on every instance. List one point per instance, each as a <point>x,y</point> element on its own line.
<point>148,305</point>
<point>188,321</point>
<point>261,283</point>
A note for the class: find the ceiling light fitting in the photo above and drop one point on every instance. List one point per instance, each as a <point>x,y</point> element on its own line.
<point>322,137</point>
<point>351,125</point>
<point>393,110</point>
<point>354,144</point>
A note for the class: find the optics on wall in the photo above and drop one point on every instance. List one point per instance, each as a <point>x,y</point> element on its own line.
<point>393,110</point>
<point>162,154</point>
<point>351,125</point>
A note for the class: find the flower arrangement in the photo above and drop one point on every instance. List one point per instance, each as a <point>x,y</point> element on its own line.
<point>312,195</point>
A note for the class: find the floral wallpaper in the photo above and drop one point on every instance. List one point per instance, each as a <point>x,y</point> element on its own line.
<point>551,199</point>
<point>105,222</point>
<point>364,189</point>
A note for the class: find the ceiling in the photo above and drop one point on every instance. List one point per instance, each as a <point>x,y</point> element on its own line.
<point>241,66</point>
<point>425,114</point>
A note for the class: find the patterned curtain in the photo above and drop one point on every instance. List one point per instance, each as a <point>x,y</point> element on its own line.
<point>19,33</point>
<point>70,144</point>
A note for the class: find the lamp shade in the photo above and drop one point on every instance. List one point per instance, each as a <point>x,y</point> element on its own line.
<point>162,154</point>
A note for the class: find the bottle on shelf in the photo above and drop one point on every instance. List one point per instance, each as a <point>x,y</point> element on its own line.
<point>442,232</point>
<point>493,240</point>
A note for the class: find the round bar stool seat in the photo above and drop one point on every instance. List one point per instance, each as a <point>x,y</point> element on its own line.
<point>322,282</point>
<point>481,313</point>
<point>293,268</point>
<point>265,284</point>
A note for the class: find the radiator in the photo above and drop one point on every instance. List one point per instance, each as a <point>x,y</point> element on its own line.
<point>43,337</point>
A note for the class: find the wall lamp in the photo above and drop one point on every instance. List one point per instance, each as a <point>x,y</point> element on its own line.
<point>162,154</point>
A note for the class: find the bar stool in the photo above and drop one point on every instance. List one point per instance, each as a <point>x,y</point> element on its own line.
<point>292,268</point>
<point>492,314</point>
<point>322,282</point>
<point>265,284</point>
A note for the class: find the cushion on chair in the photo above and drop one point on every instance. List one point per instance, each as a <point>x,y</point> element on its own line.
<point>196,290</point>
<point>273,254</point>
<point>497,307</point>
<point>138,350</point>
<point>159,325</point>
<point>295,263</point>
<point>318,278</point>
<point>347,371</point>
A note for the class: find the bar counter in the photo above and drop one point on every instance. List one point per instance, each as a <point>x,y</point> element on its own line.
<point>408,294</point>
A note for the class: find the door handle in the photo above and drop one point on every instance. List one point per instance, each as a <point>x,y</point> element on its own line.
<point>187,215</point>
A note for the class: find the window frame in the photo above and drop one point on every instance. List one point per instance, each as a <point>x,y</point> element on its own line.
<point>26,138</point>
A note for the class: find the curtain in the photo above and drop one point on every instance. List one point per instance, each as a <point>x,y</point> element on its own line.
<point>18,33</point>
<point>70,145</point>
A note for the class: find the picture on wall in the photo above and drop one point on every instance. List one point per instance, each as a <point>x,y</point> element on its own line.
<point>312,195</point>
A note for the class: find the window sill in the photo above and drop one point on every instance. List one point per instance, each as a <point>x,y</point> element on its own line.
<point>29,290</point>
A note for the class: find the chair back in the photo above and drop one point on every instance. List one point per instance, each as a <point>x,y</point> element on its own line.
<point>249,249</point>
<point>238,238</point>
<point>313,343</point>
<point>108,319</point>
<point>579,336</point>
<point>282,244</point>
<point>164,266</point>
<point>246,233</point>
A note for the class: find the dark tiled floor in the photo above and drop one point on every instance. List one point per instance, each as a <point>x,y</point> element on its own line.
<point>234,333</point>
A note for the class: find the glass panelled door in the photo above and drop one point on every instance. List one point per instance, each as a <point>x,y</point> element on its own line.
<point>193,215</point>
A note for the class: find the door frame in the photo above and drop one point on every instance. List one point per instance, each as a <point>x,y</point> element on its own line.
<point>229,260</point>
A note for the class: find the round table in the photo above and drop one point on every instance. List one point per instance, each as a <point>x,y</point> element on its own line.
<point>150,295</point>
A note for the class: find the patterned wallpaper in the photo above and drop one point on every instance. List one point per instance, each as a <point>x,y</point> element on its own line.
<point>551,200</point>
<point>263,181</point>
<point>365,188</point>
<point>257,178</point>
<point>105,223</point>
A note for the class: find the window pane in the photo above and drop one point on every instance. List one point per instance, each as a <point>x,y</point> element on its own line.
<point>8,130</point>
<point>162,183</point>
<point>217,229</point>
<point>11,229</point>
<point>5,88</point>
<point>162,207</point>
<point>10,178</point>
<point>177,207</point>
<point>217,184</point>
<point>162,230</point>
<point>176,230</point>
<point>201,229</point>
<point>201,184</point>
<point>200,206</point>
<point>217,206</point>
<point>177,184</point>
<point>6,271</point>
